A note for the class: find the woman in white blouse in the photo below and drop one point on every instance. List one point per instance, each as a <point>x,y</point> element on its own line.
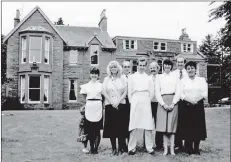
<point>193,91</point>
<point>167,95</point>
<point>93,122</point>
<point>115,91</point>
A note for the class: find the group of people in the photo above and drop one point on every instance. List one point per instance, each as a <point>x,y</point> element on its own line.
<point>171,104</point>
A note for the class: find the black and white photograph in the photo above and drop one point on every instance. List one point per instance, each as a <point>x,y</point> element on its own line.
<point>115,81</point>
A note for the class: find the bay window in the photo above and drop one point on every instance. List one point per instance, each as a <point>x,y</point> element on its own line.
<point>47,50</point>
<point>23,48</point>
<point>22,88</point>
<point>46,89</point>
<point>34,89</point>
<point>35,49</point>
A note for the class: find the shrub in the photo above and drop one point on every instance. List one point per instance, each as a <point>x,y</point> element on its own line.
<point>11,103</point>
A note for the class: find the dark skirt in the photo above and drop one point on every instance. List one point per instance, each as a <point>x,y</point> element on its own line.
<point>116,121</point>
<point>91,127</point>
<point>192,121</point>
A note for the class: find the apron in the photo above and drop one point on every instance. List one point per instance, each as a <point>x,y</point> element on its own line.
<point>141,112</point>
<point>93,110</point>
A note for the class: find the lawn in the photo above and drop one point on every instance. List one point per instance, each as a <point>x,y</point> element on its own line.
<point>42,136</point>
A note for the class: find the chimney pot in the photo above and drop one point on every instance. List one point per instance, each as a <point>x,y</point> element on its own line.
<point>17,18</point>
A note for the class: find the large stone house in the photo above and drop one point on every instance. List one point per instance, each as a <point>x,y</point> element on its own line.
<point>156,49</point>
<point>48,62</point>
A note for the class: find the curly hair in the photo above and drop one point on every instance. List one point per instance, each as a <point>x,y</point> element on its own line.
<point>114,63</point>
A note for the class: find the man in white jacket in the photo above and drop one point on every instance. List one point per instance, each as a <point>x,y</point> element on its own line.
<point>140,92</point>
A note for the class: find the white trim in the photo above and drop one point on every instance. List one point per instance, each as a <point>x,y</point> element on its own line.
<point>69,89</point>
<point>186,51</point>
<point>40,50</point>
<point>159,46</point>
<point>25,50</point>
<point>29,15</point>
<point>130,44</point>
<point>49,50</point>
<point>97,55</point>
<point>21,76</point>
<point>48,87</point>
<point>96,38</point>
<point>34,102</point>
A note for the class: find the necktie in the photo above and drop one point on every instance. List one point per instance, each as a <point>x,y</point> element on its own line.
<point>181,74</point>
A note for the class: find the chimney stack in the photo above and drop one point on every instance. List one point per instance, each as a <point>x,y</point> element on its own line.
<point>17,18</point>
<point>184,36</point>
<point>103,21</point>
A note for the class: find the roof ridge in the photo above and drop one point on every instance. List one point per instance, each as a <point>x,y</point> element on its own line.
<point>78,26</point>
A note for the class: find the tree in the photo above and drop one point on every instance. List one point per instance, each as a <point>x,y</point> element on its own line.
<point>59,22</point>
<point>3,61</point>
<point>223,11</point>
<point>210,48</point>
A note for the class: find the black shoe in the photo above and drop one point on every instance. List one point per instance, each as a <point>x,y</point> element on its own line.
<point>196,152</point>
<point>152,152</point>
<point>125,149</point>
<point>159,148</point>
<point>131,153</point>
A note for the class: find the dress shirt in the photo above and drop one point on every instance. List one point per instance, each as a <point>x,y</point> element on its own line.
<point>153,79</point>
<point>93,90</point>
<point>177,74</point>
<point>196,88</point>
<point>167,84</point>
<point>114,88</point>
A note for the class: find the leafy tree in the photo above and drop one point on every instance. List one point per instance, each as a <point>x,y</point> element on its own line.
<point>210,48</point>
<point>3,61</point>
<point>223,11</point>
<point>59,22</point>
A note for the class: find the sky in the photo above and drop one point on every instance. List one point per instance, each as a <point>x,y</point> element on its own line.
<point>140,19</point>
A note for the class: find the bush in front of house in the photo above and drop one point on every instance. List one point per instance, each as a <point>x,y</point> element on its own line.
<point>11,103</point>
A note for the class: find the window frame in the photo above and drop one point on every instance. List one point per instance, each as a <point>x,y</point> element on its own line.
<point>129,41</point>
<point>70,60</point>
<point>34,102</point>
<point>69,90</point>
<point>23,50</point>
<point>21,76</point>
<point>159,46</point>
<point>49,50</point>
<point>96,45</point>
<point>186,47</point>
<point>41,51</point>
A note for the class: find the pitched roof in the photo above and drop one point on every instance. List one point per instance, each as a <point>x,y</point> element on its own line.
<point>81,36</point>
<point>37,8</point>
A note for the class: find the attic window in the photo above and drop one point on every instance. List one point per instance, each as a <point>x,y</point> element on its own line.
<point>94,55</point>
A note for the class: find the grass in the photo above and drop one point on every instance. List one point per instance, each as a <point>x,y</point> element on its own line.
<point>42,136</point>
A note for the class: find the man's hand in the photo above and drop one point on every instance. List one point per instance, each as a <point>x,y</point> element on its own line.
<point>171,107</point>
<point>165,107</point>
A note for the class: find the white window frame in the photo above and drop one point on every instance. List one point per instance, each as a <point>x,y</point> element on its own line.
<point>129,44</point>
<point>46,88</point>
<point>47,48</point>
<point>159,46</point>
<point>23,51</point>
<point>34,102</point>
<point>91,51</point>
<point>69,89</point>
<point>21,88</point>
<point>187,46</point>
<point>73,53</point>
<point>40,50</point>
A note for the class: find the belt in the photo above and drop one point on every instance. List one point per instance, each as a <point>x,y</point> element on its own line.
<point>168,94</point>
<point>94,99</point>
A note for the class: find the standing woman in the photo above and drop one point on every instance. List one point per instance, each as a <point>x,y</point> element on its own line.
<point>115,91</point>
<point>193,91</point>
<point>93,122</point>
<point>167,95</point>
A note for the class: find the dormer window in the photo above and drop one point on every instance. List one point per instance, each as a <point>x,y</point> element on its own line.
<point>159,46</point>
<point>187,47</point>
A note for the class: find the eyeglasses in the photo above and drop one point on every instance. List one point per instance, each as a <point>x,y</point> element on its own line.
<point>126,66</point>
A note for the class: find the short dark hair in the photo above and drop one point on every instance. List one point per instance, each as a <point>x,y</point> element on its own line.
<point>191,63</point>
<point>168,62</point>
<point>94,70</point>
<point>142,59</point>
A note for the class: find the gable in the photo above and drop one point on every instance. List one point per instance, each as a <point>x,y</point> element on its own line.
<point>94,40</point>
<point>35,18</point>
